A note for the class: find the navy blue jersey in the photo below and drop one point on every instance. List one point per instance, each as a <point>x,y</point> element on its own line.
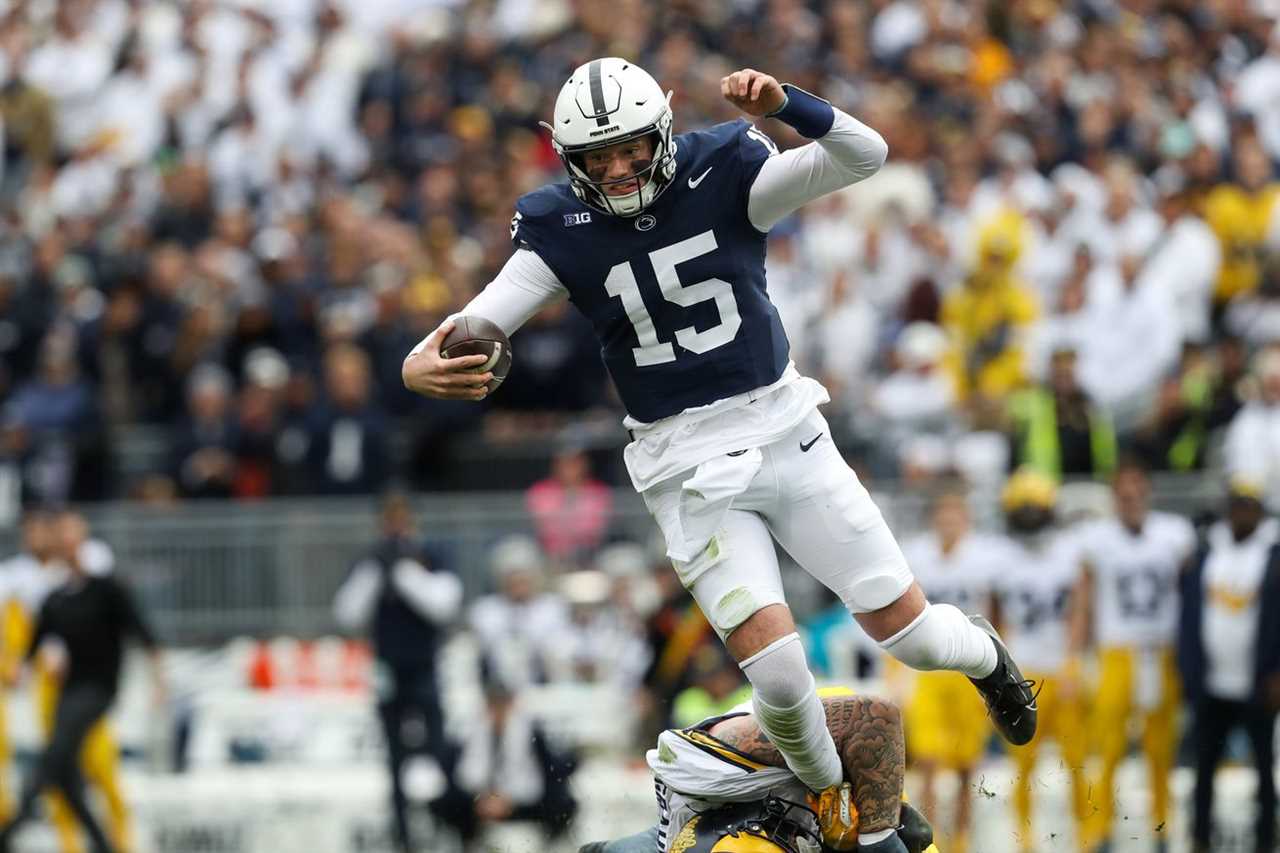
<point>676,294</point>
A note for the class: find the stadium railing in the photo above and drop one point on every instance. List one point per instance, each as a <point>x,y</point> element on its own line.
<point>212,570</point>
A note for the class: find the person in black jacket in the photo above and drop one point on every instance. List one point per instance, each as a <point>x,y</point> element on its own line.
<point>1230,651</point>
<point>406,602</point>
<point>91,616</point>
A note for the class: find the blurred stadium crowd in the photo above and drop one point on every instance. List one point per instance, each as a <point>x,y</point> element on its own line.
<point>227,222</point>
<point>233,220</point>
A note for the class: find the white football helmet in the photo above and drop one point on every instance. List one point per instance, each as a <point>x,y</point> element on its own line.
<point>607,101</point>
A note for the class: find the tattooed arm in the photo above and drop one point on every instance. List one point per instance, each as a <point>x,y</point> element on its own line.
<point>868,733</point>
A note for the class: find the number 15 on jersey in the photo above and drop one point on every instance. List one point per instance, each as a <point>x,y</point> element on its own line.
<point>621,282</point>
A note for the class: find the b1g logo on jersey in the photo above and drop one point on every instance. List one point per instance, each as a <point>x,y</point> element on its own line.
<point>645,222</point>
<point>571,219</point>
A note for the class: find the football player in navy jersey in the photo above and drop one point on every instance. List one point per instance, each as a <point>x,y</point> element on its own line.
<point>659,239</point>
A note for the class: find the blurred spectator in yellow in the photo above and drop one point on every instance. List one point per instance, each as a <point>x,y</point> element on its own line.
<point>1240,213</point>
<point>988,315</point>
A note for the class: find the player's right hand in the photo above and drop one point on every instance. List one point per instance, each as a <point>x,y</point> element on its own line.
<point>753,92</point>
<point>425,371</point>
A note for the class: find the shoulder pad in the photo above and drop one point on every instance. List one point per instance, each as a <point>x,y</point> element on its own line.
<point>719,138</point>
<point>537,209</point>
<point>541,201</point>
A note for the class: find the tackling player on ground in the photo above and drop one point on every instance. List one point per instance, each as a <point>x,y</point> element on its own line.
<point>660,241</point>
<point>722,786</point>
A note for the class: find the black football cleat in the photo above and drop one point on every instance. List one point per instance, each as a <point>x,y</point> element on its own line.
<point>914,830</point>
<point>1010,702</point>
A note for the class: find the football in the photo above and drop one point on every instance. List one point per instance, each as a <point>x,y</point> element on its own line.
<point>477,336</point>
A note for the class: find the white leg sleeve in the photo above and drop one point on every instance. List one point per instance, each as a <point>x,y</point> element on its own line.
<point>942,637</point>
<point>788,710</point>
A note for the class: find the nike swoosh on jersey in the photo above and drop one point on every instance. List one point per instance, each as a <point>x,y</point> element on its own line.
<point>693,182</point>
<point>804,448</point>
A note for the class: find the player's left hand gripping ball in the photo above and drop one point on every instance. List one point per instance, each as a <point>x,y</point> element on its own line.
<point>464,359</point>
<point>837,816</point>
<point>753,92</point>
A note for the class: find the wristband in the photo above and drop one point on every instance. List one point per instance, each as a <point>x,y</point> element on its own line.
<point>810,115</point>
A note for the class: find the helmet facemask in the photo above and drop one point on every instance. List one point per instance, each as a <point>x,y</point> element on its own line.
<point>776,821</point>
<point>654,175</point>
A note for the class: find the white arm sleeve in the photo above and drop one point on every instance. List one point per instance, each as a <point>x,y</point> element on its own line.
<point>523,287</point>
<point>849,152</point>
<point>353,605</point>
<point>434,595</point>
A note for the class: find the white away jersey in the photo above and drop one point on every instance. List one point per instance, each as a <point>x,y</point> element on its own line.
<point>1135,578</point>
<point>30,582</point>
<point>26,581</point>
<point>698,766</point>
<point>1033,584</point>
<point>962,577</point>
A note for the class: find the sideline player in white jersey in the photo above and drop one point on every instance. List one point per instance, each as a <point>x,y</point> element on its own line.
<point>1128,612</point>
<point>1034,583</point>
<point>660,241</point>
<point>945,720</point>
<point>722,786</point>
